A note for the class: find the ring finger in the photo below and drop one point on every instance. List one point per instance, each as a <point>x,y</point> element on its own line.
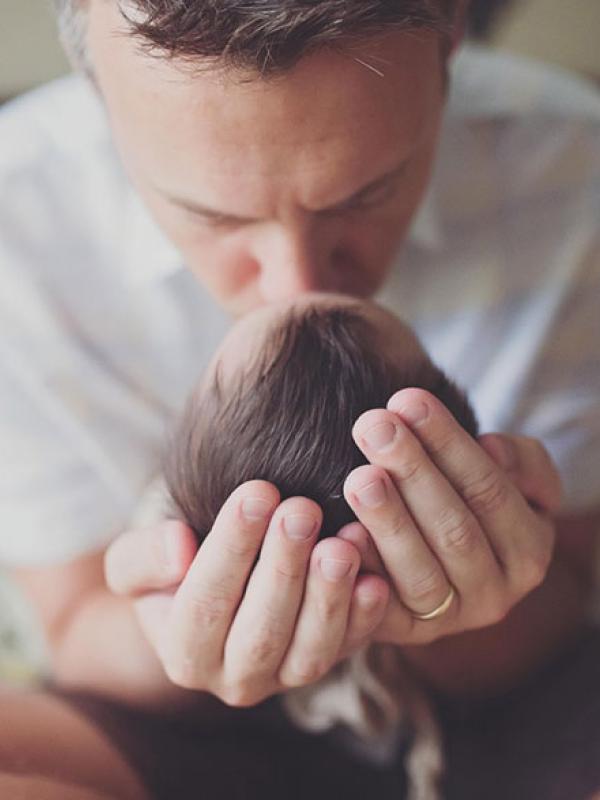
<point>415,572</point>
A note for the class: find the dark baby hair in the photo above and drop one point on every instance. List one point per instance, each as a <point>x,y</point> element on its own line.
<point>288,417</point>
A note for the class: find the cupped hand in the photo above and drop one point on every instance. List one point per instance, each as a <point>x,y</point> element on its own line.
<point>259,608</point>
<point>453,522</point>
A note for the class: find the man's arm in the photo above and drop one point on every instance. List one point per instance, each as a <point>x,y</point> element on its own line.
<point>94,638</point>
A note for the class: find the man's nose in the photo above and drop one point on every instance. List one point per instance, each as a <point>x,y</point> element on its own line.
<point>293,261</point>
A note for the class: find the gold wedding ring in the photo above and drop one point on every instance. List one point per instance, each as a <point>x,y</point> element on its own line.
<point>441,609</point>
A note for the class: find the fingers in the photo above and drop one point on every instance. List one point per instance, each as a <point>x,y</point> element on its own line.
<point>529,466</point>
<point>521,544</point>
<point>367,610</point>
<point>210,593</point>
<point>357,535</point>
<point>149,559</point>
<point>264,624</point>
<point>322,621</point>
<point>409,558</point>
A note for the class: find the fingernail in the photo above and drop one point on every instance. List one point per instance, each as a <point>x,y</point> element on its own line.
<point>380,436</point>
<point>333,569</point>
<point>255,508</point>
<point>417,412</point>
<point>299,526</point>
<point>372,495</point>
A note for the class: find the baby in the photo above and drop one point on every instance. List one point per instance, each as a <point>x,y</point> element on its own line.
<point>278,403</point>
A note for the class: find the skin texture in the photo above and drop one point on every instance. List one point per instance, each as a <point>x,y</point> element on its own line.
<point>452,545</point>
<point>286,156</point>
<point>278,160</point>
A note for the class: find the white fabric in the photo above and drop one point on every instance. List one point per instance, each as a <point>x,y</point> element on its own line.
<point>103,331</point>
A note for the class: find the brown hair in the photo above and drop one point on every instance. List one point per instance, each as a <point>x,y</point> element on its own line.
<point>288,417</point>
<point>269,36</point>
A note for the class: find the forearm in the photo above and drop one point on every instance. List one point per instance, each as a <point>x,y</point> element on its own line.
<point>102,648</point>
<point>491,660</point>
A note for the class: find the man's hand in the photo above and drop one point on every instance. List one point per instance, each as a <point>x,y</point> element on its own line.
<point>443,515</point>
<point>240,628</point>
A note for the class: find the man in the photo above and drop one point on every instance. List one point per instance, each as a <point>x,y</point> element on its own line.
<point>284,149</point>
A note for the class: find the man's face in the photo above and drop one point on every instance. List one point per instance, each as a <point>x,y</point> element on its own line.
<point>269,189</point>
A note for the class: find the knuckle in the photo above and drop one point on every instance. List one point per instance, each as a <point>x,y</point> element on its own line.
<point>533,570</point>
<point>240,548</point>
<point>393,525</point>
<point>456,531</point>
<point>487,493</point>
<point>304,672</point>
<point>327,609</point>
<point>208,611</point>
<point>425,586</point>
<point>181,672</point>
<point>264,649</point>
<point>443,444</point>
<point>238,695</point>
<point>287,572</point>
<point>409,469</point>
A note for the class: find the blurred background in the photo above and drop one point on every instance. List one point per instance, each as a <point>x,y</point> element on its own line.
<point>565,32</point>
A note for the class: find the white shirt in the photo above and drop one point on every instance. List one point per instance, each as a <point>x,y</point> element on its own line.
<point>103,330</point>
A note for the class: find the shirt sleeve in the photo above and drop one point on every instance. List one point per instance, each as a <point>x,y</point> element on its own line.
<point>561,402</point>
<point>53,504</point>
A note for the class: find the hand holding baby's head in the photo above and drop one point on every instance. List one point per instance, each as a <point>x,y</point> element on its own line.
<point>279,401</point>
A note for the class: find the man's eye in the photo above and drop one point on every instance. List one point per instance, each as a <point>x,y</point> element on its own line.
<point>376,197</point>
<point>214,222</point>
<point>372,199</point>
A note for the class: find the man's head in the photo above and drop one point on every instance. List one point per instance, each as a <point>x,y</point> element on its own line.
<point>282,146</point>
<point>280,399</point>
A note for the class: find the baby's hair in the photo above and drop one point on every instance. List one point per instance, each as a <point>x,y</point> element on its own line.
<point>287,417</point>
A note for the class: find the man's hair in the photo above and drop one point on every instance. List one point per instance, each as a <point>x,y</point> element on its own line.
<point>288,417</point>
<point>260,36</point>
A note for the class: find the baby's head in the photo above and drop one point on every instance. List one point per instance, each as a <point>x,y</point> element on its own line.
<point>279,401</point>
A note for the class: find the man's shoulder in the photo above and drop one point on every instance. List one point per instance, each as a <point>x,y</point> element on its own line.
<point>491,84</point>
<point>63,119</point>
<point>61,184</point>
<point>56,156</point>
<point>519,135</point>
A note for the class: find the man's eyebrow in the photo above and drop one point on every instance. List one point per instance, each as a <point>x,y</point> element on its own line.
<point>213,213</point>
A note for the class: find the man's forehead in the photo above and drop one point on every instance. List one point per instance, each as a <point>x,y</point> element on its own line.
<point>322,130</point>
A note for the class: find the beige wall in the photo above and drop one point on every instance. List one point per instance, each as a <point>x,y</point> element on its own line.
<point>564,31</point>
<point>29,50</point>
